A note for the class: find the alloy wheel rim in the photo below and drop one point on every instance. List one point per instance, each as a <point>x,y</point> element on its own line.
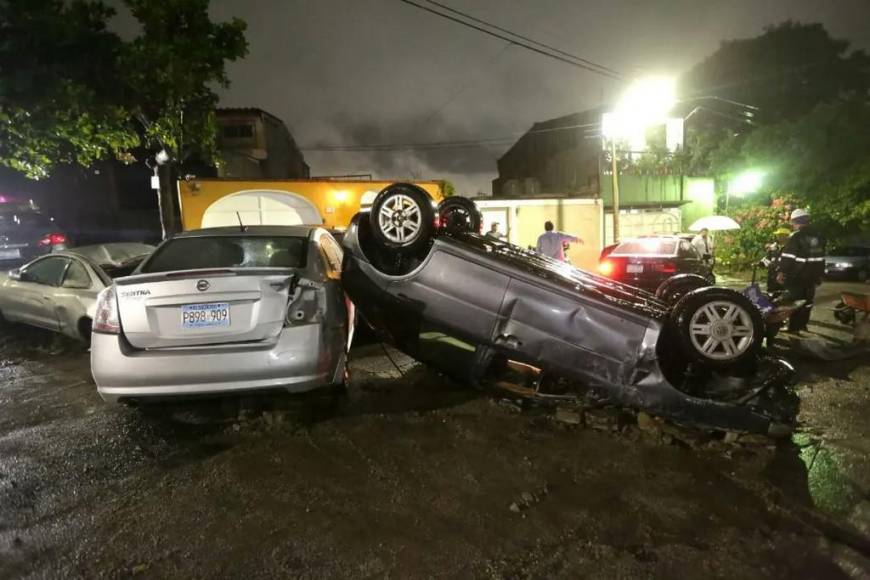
<point>721,330</point>
<point>400,219</point>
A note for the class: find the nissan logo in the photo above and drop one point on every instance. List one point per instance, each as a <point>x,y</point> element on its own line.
<point>202,285</point>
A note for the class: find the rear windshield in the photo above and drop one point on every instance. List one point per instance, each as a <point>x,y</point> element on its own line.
<point>646,246</point>
<point>227,252</point>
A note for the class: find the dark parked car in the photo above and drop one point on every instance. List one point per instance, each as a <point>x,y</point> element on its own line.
<point>647,261</point>
<point>465,303</point>
<point>848,262</point>
<point>27,234</point>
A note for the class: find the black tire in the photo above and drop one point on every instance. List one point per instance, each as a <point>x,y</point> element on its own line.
<point>85,326</point>
<point>844,314</point>
<point>402,218</point>
<point>675,287</point>
<point>459,214</point>
<point>719,328</point>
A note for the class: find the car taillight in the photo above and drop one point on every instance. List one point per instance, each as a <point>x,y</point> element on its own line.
<point>53,240</point>
<point>606,268</point>
<point>106,319</point>
<point>667,267</point>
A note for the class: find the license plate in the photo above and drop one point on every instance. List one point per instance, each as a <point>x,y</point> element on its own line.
<point>10,254</point>
<point>634,268</point>
<point>216,314</point>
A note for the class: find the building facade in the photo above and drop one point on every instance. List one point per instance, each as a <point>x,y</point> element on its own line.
<point>254,144</point>
<point>565,158</point>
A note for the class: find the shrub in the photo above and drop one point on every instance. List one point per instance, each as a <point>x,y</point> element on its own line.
<point>737,250</point>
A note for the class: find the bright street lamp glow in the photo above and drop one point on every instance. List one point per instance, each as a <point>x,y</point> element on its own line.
<point>646,102</point>
<point>746,182</point>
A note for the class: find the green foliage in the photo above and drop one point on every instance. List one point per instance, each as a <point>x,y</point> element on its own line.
<point>809,134</point>
<point>785,72</point>
<point>71,91</point>
<point>58,100</point>
<point>823,158</point>
<point>447,188</point>
<point>738,249</point>
<point>170,69</point>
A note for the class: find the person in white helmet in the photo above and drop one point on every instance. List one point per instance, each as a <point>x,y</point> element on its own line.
<point>801,267</point>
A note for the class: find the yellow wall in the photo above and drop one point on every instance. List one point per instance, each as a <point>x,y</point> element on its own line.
<point>526,217</point>
<point>337,201</point>
<point>583,221</point>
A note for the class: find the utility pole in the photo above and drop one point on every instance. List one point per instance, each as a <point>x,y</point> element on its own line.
<point>615,172</point>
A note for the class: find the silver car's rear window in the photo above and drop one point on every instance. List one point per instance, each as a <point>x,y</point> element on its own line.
<point>227,252</point>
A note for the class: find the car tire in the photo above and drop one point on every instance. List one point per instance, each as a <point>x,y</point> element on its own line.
<point>402,218</point>
<point>674,288</point>
<point>459,214</point>
<point>85,326</point>
<point>718,328</point>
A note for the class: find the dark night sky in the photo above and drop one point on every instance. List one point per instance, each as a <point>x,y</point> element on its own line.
<point>380,71</point>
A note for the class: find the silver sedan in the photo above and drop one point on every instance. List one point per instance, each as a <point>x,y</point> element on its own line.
<point>59,291</point>
<point>225,310</point>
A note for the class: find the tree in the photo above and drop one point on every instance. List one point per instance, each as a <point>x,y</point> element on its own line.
<point>82,94</point>
<point>823,159</point>
<point>809,131</point>
<point>785,72</point>
<point>447,188</point>
<point>60,101</point>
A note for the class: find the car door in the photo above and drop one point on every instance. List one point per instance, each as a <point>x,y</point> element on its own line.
<point>35,291</point>
<point>689,260</point>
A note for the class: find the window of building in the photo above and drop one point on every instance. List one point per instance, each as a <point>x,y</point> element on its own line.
<point>238,131</point>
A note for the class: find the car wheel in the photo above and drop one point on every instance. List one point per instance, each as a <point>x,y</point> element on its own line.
<point>719,328</point>
<point>85,325</point>
<point>675,287</point>
<point>402,218</point>
<point>459,214</point>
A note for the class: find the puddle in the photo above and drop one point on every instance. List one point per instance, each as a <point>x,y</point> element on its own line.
<point>828,482</point>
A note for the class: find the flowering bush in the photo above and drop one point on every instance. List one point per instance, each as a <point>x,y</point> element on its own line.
<point>738,249</point>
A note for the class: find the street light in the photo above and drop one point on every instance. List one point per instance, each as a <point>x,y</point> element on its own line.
<point>645,103</point>
<point>744,183</point>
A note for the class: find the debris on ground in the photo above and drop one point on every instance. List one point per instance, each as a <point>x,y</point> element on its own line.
<point>569,415</point>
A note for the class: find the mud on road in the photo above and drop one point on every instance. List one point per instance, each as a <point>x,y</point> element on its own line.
<point>408,475</point>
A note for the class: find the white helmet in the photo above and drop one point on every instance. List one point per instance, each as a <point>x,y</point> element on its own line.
<point>799,213</point>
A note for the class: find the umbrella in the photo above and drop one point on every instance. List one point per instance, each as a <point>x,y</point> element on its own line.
<point>714,223</point>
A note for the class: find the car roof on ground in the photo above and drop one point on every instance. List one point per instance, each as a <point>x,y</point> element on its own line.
<point>234,231</point>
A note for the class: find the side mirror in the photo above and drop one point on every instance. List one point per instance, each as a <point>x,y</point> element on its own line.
<point>15,274</point>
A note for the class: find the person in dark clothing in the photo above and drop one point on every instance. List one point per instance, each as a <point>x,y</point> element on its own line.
<point>772,257</point>
<point>801,267</point>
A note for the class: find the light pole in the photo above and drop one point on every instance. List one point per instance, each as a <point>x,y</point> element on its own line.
<point>615,173</point>
<point>645,103</point>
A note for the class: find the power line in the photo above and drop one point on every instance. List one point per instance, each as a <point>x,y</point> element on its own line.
<point>526,38</point>
<point>517,40</point>
<point>464,144</point>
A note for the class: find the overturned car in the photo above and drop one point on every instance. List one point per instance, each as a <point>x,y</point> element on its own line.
<point>466,303</point>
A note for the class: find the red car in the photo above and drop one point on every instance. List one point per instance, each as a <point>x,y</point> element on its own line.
<point>647,261</point>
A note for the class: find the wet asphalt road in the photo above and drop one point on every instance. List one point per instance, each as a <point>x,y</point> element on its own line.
<point>409,475</point>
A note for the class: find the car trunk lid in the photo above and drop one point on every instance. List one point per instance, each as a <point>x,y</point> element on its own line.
<point>204,307</point>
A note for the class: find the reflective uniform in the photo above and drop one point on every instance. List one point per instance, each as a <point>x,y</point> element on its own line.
<point>803,263</point>
<point>771,262</point>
